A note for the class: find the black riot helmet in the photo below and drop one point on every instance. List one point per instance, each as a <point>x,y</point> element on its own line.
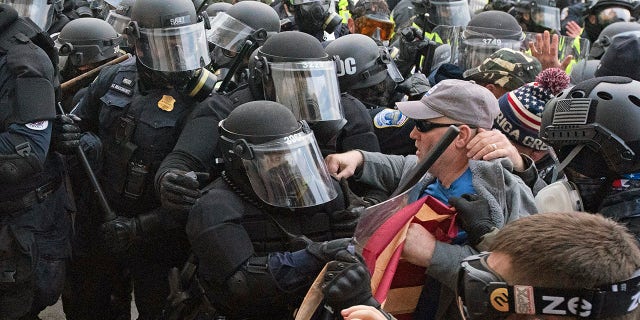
<point>263,142</point>
<point>600,46</point>
<point>314,16</point>
<point>594,126</point>
<point>217,7</point>
<point>86,42</point>
<point>293,69</point>
<point>244,21</point>
<point>168,36</point>
<point>429,13</point>
<point>41,12</point>
<point>602,13</point>
<point>486,33</point>
<point>363,63</point>
<point>537,15</point>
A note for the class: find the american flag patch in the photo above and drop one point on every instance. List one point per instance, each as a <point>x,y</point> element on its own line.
<point>572,111</point>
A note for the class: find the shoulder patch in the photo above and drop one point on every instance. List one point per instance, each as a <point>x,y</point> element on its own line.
<point>389,118</point>
<point>39,126</point>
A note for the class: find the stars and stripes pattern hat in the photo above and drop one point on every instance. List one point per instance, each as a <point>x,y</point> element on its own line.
<point>521,109</point>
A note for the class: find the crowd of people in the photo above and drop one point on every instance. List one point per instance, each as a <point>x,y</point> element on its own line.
<point>215,160</point>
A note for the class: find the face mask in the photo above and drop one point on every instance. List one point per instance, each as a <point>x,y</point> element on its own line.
<point>560,196</point>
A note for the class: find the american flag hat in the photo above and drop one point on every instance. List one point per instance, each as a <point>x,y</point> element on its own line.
<point>521,109</point>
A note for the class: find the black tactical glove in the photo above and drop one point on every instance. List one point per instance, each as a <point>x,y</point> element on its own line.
<point>415,86</point>
<point>66,134</point>
<point>474,216</point>
<point>120,233</point>
<point>179,190</point>
<point>347,283</point>
<point>343,222</point>
<point>327,251</point>
<point>412,43</point>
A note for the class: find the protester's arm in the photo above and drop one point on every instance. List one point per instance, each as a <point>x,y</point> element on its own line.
<point>379,171</point>
<point>441,259</point>
<point>493,144</point>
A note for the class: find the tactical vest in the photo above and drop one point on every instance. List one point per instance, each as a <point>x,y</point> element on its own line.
<point>271,229</point>
<point>138,131</point>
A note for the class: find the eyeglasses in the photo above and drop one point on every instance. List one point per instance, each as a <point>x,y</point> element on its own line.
<point>426,126</point>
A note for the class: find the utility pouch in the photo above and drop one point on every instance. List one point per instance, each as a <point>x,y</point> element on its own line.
<point>17,256</point>
<point>136,177</point>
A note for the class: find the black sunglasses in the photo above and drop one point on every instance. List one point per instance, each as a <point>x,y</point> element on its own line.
<point>426,126</point>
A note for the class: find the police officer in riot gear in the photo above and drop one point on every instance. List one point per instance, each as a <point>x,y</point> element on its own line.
<point>429,14</point>
<point>370,75</point>
<point>34,226</point>
<point>252,230</point>
<point>315,17</point>
<point>49,15</point>
<point>501,28</point>
<point>317,98</point>
<point>119,19</point>
<point>537,15</point>
<point>600,46</point>
<point>595,16</point>
<point>600,145</point>
<point>246,23</point>
<point>368,72</point>
<point>138,109</point>
<point>84,44</point>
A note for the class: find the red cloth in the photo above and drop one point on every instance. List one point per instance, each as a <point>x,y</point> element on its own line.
<point>383,249</point>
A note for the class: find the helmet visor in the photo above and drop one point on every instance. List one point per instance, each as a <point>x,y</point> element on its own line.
<point>290,172</point>
<point>610,15</point>
<point>36,10</point>
<point>173,49</point>
<point>392,68</point>
<point>368,24</point>
<point>455,13</point>
<point>547,17</point>
<point>476,44</point>
<point>310,89</point>
<point>117,21</point>
<point>228,32</point>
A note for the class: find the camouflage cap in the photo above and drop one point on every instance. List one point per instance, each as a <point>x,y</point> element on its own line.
<point>507,68</point>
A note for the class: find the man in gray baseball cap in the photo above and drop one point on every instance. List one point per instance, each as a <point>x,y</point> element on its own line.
<point>486,194</point>
<point>460,101</point>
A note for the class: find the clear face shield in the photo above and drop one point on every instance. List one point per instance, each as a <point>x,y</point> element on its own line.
<point>289,172</point>
<point>472,45</point>
<point>615,14</point>
<point>173,49</point>
<point>546,17</point>
<point>309,88</point>
<point>477,6</point>
<point>392,69</point>
<point>119,23</point>
<point>38,11</point>
<point>455,13</point>
<point>228,32</point>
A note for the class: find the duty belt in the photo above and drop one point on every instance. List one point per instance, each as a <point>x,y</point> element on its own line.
<point>30,198</point>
